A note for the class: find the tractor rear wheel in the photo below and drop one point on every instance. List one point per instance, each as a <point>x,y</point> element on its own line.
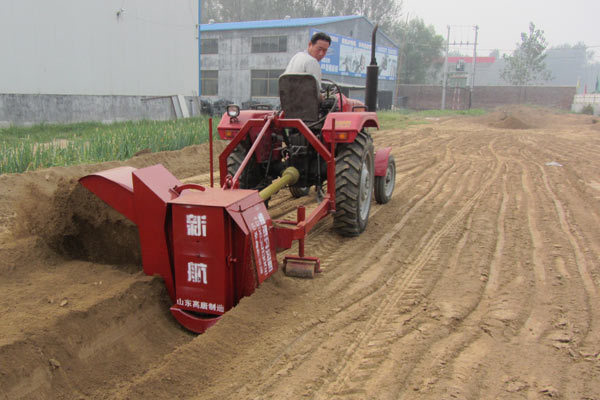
<point>384,185</point>
<point>354,177</point>
<point>250,177</point>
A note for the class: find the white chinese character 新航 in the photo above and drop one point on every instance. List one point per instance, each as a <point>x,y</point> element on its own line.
<point>197,272</point>
<point>196,225</point>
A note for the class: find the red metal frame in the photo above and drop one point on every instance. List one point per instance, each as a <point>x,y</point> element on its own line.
<point>284,235</point>
<point>210,151</point>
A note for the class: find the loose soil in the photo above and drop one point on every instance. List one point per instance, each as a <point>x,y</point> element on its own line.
<point>478,280</point>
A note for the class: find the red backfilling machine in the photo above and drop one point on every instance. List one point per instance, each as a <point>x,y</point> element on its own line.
<point>211,246</point>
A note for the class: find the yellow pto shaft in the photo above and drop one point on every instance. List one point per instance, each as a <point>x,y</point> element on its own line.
<point>289,177</point>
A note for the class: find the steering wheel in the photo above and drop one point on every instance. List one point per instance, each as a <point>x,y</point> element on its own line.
<point>332,88</point>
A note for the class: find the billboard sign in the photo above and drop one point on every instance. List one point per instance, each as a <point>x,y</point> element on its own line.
<point>349,57</point>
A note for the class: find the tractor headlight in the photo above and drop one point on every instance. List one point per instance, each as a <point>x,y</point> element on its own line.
<point>233,110</point>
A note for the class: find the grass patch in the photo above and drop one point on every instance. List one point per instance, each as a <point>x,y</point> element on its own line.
<point>401,119</point>
<point>48,145</point>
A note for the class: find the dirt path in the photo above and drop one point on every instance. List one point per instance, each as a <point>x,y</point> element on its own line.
<point>479,280</point>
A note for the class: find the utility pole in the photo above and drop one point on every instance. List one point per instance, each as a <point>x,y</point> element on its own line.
<point>445,80</point>
<point>473,71</point>
<point>402,62</point>
<point>468,84</point>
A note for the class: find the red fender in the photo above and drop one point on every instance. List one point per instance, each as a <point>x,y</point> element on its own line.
<point>381,161</point>
<point>347,125</point>
<point>229,127</point>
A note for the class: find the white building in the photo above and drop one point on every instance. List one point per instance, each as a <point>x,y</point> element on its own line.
<point>241,61</point>
<point>61,60</point>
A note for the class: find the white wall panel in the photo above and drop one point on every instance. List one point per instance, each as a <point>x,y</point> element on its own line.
<point>82,47</point>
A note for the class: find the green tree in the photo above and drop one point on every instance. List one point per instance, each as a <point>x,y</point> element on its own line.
<point>526,64</point>
<point>420,51</point>
<point>384,12</point>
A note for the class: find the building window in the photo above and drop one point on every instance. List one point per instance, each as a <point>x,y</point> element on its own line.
<point>209,83</point>
<point>269,44</point>
<point>265,82</point>
<point>209,46</point>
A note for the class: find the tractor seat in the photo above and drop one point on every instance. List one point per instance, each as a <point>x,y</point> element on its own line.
<point>299,96</point>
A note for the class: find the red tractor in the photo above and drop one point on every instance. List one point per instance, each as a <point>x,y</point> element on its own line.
<point>293,136</point>
<point>213,246</point>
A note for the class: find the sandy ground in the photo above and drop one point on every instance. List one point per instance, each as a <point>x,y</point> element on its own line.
<point>479,280</point>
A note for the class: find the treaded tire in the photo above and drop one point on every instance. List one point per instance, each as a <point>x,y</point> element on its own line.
<point>298,192</point>
<point>384,185</point>
<point>354,178</point>
<point>249,178</point>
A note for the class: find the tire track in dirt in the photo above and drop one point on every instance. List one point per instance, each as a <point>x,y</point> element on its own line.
<point>367,346</point>
<point>447,349</point>
<point>462,356</point>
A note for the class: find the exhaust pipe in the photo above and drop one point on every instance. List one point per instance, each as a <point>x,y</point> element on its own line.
<point>372,76</point>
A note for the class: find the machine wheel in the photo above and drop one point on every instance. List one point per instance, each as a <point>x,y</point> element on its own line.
<point>384,185</point>
<point>299,191</point>
<point>250,176</point>
<point>354,176</point>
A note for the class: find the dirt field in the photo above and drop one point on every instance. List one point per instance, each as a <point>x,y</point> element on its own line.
<point>479,280</point>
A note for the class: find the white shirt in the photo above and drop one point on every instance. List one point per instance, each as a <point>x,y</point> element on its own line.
<point>304,63</point>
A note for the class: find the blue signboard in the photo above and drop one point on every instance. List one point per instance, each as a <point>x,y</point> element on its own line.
<point>349,57</point>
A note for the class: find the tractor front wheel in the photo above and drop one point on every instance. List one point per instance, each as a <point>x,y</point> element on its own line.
<point>384,185</point>
<point>299,191</point>
<point>354,177</point>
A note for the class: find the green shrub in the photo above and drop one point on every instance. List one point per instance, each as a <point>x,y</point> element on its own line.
<point>588,109</point>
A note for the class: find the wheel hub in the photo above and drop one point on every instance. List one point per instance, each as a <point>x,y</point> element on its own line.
<point>365,190</point>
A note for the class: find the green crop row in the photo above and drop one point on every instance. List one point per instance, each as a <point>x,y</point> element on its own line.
<point>41,146</point>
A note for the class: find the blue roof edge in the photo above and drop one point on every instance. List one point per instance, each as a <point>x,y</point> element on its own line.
<point>275,23</point>
<point>285,23</point>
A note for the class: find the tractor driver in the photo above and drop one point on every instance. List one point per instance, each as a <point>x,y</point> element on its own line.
<point>308,61</point>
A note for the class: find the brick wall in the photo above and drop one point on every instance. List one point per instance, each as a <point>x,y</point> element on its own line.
<point>426,97</point>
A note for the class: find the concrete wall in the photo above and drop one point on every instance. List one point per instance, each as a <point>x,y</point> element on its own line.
<point>26,109</point>
<point>84,48</point>
<point>582,100</point>
<point>427,97</point>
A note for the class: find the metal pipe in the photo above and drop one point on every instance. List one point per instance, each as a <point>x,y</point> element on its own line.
<point>210,147</point>
<point>372,76</point>
<point>289,177</point>
<point>236,177</point>
<point>301,216</point>
<point>445,79</point>
<point>331,170</point>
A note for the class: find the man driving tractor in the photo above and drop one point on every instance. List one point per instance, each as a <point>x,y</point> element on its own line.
<point>308,61</point>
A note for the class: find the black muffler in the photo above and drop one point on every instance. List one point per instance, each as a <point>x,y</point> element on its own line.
<point>372,76</point>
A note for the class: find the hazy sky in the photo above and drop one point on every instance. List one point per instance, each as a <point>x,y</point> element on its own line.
<point>501,22</point>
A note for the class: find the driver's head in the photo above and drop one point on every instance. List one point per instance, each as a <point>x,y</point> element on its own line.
<point>318,45</point>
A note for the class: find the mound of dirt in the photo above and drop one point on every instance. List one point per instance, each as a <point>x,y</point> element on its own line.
<point>51,206</point>
<point>532,117</point>
<point>510,122</point>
